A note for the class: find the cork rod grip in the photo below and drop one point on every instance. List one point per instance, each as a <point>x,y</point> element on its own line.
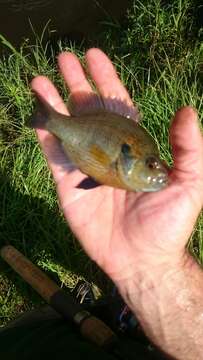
<point>29,272</point>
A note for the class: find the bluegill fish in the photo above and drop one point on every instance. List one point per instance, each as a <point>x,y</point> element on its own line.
<point>105,144</point>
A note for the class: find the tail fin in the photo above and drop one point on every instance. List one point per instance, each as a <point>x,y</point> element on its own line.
<point>42,114</point>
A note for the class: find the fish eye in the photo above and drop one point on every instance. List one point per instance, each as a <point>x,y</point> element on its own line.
<point>151,162</point>
<point>125,149</point>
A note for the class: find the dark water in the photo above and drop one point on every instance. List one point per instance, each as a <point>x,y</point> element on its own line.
<point>67,16</point>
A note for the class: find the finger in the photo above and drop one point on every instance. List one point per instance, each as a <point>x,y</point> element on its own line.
<point>73,73</point>
<point>49,144</point>
<point>105,77</point>
<point>44,87</point>
<point>187,145</point>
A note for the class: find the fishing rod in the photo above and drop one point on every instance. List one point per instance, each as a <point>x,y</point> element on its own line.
<point>62,302</point>
<point>90,327</point>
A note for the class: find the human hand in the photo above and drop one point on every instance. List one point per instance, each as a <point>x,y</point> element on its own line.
<point>126,232</point>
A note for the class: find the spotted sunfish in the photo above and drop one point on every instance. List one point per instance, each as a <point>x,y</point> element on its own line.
<point>106,143</point>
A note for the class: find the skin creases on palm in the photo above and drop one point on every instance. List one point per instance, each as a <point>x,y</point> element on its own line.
<point>120,230</point>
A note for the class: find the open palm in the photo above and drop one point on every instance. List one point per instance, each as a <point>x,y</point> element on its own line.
<point>121,230</point>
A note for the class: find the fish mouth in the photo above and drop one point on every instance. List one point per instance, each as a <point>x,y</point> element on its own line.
<point>156,183</point>
<point>159,181</point>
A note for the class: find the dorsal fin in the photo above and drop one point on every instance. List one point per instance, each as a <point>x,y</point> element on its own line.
<point>81,103</point>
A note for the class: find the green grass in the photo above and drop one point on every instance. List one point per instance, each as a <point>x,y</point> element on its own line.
<point>157,52</point>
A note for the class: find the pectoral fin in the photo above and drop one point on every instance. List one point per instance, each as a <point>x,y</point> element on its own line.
<point>100,156</point>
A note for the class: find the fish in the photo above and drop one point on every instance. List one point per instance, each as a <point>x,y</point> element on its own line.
<point>102,137</point>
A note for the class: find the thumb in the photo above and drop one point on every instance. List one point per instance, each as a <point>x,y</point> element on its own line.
<point>187,145</point>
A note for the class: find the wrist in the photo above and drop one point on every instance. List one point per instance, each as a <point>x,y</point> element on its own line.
<point>166,299</point>
<point>150,275</point>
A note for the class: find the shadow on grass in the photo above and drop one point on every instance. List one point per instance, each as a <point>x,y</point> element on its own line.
<point>42,235</point>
